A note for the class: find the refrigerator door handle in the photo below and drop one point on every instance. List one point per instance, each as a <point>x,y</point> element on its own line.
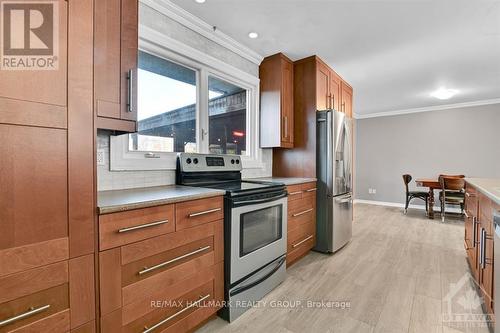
<point>329,151</point>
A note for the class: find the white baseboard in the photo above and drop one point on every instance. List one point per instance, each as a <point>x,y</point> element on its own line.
<point>401,205</point>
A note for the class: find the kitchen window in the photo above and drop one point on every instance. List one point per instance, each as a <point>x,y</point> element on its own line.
<point>188,105</point>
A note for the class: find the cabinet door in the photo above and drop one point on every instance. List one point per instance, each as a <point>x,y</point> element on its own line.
<point>115,57</point>
<point>322,86</point>
<point>33,197</point>
<point>129,53</point>
<point>486,267</point>
<point>335,90</point>
<point>287,104</point>
<point>346,102</point>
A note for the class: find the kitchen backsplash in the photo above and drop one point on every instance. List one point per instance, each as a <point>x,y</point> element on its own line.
<point>115,180</point>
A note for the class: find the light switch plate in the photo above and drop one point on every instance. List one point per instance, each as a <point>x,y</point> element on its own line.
<point>100,157</point>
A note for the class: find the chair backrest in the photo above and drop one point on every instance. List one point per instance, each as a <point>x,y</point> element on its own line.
<point>452,176</point>
<point>406,179</point>
<point>453,183</point>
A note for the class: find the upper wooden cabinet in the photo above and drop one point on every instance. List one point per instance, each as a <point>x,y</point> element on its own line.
<point>115,63</point>
<point>276,102</point>
<point>346,99</point>
<point>328,87</point>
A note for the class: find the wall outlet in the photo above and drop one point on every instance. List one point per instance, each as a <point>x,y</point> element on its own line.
<point>372,191</point>
<point>100,157</point>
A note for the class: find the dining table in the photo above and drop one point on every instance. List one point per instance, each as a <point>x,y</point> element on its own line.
<point>431,184</point>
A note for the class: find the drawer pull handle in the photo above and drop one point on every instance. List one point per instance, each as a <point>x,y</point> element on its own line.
<point>466,215</point>
<point>152,268</point>
<point>311,190</point>
<point>294,193</point>
<point>205,212</point>
<point>29,313</point>
<point>152,224</point>
<point>470,195</point>
<point>304,212</point>
<point>302,241</point>
<point>192,305</point>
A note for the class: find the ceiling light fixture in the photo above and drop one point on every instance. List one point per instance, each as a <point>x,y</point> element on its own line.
<point>253,35</point>
<point>200,1</point>
<point>444,93</point>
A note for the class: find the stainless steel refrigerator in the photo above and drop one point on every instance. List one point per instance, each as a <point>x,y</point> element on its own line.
<point>334,148</point>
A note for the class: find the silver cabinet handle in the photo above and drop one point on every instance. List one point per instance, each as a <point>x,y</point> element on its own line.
<point>482,248</point>
<point>192,305</point>
<point>205,212</point>
<point>152,268</point>
<point>303,212</point>
<point>469,195</point>
<point>147,225</point>
<point>466,215</point>
<point>30,312</point>
<point>474,231</point>
<point>311,190</point>
<point>286,127</point>
<point>294,193</point>
<point>303,241</point>
<point>130,90</point>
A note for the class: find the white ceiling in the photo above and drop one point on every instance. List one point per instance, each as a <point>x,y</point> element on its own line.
<point>393,52</point>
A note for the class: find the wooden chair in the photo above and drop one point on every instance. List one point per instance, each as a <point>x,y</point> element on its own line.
<point>414,194</point>
<point>452,192</point>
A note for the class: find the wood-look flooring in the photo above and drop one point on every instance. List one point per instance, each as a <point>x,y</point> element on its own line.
<point>396,273</point>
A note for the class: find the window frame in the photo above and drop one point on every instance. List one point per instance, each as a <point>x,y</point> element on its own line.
<point>150,41</point>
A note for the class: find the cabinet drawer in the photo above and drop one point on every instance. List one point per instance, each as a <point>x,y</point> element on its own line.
<point>131,226</point>
<point>46,310</point>
<point>300,212</point>
<point>294,192</point>
<point>309,190</point>
<point>170,306</point>
<point>300,235</point>
<point>471,201</point>
<point>192,213</point>
<point>132,273</point>
<point>300,251</point>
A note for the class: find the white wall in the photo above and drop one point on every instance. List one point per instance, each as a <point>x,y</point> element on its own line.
<point>112,180</point>
<point>456,141</point>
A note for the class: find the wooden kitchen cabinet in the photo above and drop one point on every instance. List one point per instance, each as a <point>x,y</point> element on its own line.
<point>328,87</point>
<point>301,225</point>
<point>115,64</point>
<point>478,242</point>
<point>276,102</point>
<point>346,99</point>
<point>316,87</point>
<point>47,185</point>
<point>179,247</point>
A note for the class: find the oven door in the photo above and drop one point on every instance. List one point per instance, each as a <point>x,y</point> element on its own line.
<point>258,234</point>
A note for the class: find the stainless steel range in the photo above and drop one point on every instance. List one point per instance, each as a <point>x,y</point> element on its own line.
<point>255,219</point>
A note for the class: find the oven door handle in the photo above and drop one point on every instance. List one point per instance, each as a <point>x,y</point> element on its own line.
<point>258,201</point>
<point>243,288</point>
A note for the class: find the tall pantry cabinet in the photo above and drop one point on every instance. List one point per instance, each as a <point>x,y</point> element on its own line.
<point>47,186</point>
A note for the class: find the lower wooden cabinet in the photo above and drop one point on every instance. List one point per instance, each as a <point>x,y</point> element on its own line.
<point>301,234</point>
<point>170,282</point>
<point>52,298</point>
<point>478,242</point>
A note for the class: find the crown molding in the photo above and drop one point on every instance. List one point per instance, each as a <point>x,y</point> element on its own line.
<point>176,13</point>
<point>428,108</point>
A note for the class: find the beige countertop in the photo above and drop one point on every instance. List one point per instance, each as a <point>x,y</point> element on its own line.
<point>489,187</point>
<point>286,180</point>
<point>121,200</point>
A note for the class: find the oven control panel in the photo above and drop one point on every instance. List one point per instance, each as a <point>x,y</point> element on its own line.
<point>189,162</point>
